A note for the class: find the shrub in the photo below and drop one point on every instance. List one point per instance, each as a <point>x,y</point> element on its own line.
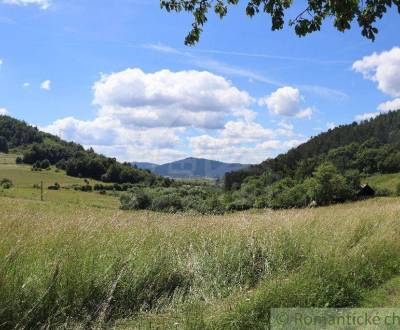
<point>296,196</point>
<point>138,200</point>
<point>61,164</point>
<point>207,205</point>
<point>18,160</point>
<point>45,164</point>
<point>382,192</point>
<point>41,165</point>
<point>56,186</point>
<point>168,203</point>
<point>84,188</point>
<point>6,183</point>
<point>239,205</point>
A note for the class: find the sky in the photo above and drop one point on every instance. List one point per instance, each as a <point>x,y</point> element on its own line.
<point>116,76</point>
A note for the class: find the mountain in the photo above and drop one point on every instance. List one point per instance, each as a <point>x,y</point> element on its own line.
<point>192,168</point>
<point>372,146</point>
<point>145,166</point>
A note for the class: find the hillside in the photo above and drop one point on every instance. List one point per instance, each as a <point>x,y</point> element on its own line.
<point>369,147</point>
<point>42,150</point>
<point>145,165</point>
<point>192,168</point>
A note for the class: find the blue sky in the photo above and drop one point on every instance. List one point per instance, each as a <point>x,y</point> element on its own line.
<point>116,76</point>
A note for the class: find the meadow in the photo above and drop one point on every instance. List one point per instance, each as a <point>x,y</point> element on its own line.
<point>76,261</point>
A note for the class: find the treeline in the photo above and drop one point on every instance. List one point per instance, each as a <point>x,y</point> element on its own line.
<point>325,186</point>
<point>17,133</point>
<point>369,147</point>
<point>41,149</point>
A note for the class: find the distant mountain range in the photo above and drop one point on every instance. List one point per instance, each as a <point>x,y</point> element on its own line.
<point>192,168</point>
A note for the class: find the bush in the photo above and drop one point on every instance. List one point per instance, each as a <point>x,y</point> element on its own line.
<point>56,186</point>
<point>167,203</point>
<point>239,205</point>
<point>6,183</point>
<point>45,164</point>
<point>295,197</point>
<point>18,160</point>
<point>207,205</point>
<point>41,165</point>
<point>61,164</point>
<point>84,188</point>
<point>138,200</point>
<point>382,192</point>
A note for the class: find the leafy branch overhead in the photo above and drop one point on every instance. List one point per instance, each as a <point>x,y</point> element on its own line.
<point>343,12</point>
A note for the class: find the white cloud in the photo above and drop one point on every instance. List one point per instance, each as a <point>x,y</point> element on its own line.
<point>166,115</point>
<point>3,111</point>
<point>390,105</point>
<point>382,108</point>
<point>43,4</point>
<point>169,99</point>
<point>112,137</point>
<point>241,141</point>
<point>45,85</point>
<point>331,125</point>
<point>286,101</point>
<point>25,85</point>
<point>383,68</point>
<point>144,116</point>
<point>367,116</point>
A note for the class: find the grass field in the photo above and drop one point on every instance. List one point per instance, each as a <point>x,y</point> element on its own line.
<point>76,261</point>
<point>385,181</point>
<point>24,180</point>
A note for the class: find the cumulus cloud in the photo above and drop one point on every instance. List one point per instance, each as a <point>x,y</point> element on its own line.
<point>43,4</point>
<point>241,141</point>
<point>390,105</point>
<point>109,135</point>
<point>382,68</point>
<point>166,115</point>
<point>143,116</point>
<point>367,116</point>
<point>382,108</point>
<point>3,111</point>
<point>45,85</point>
<point>286,101</point>
<point>169,99</point>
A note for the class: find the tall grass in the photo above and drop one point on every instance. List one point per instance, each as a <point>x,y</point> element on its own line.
<point>67,267</point>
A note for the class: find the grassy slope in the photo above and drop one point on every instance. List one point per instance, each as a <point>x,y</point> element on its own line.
<point>24,179</point>
<point>385,181</point>
<point>73,266</point>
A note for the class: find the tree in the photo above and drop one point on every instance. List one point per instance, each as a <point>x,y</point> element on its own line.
<point>3,145</point>
<point>332,186</point>
<point>343,12</point>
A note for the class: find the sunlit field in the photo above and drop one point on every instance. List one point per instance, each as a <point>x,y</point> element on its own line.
<point>27,182</point>
<point>68,266</point>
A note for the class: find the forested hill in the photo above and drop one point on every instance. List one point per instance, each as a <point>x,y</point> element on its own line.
<point>42,149</point>
<point>369,147</point>
<point>192,168</point>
